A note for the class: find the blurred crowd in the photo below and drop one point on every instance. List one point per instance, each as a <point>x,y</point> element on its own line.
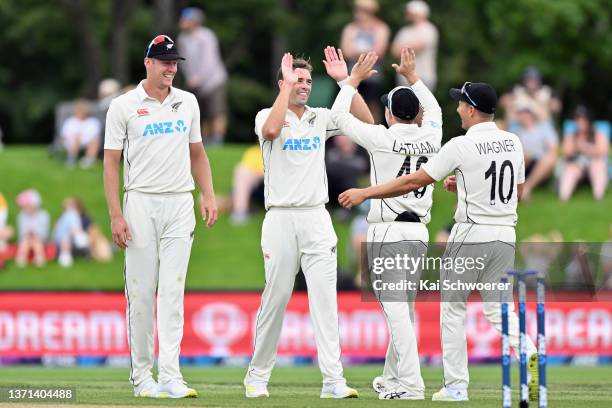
<point>74,233</point>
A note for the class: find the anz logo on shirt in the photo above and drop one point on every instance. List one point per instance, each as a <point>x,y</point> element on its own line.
<point>306,144</point>
<point>164,128</point>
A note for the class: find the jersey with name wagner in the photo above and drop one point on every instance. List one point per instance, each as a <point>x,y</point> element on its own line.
<point>155,139</point>
<point>294,162</point>
<point>489,164</point>
<point>396,151</point>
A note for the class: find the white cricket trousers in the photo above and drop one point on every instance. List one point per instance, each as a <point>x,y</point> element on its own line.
<point>402,370</point>
<point>469,240</point>
<point>156,258</point>
<point>290,238</point>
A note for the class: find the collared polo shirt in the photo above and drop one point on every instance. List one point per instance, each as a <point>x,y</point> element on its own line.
<point>154,137</point>
<point>294,162</point>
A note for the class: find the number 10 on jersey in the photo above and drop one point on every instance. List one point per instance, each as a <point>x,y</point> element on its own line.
<point>492,173</point>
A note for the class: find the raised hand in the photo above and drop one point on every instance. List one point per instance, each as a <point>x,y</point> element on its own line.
<point>335,64</point>
<point>407,66</point>
<point>363,67</point>
<point>289,75</point>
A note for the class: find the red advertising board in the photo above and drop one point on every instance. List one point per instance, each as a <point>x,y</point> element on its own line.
<point>222,324</point>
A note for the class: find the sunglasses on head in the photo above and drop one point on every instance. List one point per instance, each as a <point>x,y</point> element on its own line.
<point>158,40</point>
<point>464,91</point>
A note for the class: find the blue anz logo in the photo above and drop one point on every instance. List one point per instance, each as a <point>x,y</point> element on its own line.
<point>164,128</point>
<point>303,144</point>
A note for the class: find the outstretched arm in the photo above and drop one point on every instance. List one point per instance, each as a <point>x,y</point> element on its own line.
<point>336,68</point>
<point>361,133</point>
<point>432,113</point>
<point>274,123</point>
<point>399,186</point>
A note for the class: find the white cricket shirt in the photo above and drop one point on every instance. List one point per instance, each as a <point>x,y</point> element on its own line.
<point>294,162</point>
<point>489,164</point>
<point>401,149</point>
<point>155,139</point>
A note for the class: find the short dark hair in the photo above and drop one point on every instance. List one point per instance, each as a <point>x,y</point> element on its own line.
<point>484,116</point>
<point>297,63</point>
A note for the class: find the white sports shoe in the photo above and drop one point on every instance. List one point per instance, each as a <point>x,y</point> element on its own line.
<point>255,389</point>
<point>399,394</point>
<point>379,385</point>
<point>176,389</point>
<point>147,389</point>
<point>451,395</point>
<point>338,390</point>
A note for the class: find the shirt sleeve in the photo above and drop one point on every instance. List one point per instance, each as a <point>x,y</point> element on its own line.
<point>432,113</point>
<point>364,134</point>
<point>445,162</point>
<point>195,133</point>
<point>116,128</point>
<point>260,119</point>
<point>331,127</point>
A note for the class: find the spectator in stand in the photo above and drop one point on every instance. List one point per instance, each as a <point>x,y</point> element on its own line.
<point>345,164</point>
<point>100,247</point>
<point>248,176</point>
<point>81,131</point>
<point>540,144</point>
<point>6,232</point>
<point>533,93</point>
<point>69,235</point>
<point>585,153</point>
<point>579,271</point>
<point>32,228</point>
<point>108,89</point>
<point>205,73</point>
<point>367,33</point>
<point>422,36</point>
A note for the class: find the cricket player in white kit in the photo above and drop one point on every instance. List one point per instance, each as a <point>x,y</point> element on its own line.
<point>297,230</point>
<point>157,128</point>
<point>400,149</point>
<point>489,172</point>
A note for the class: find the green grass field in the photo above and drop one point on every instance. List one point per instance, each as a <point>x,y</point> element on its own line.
<point>300,386</point>
<point>228,257</point>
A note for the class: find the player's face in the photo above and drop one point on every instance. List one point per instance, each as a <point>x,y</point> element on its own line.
<point>301,89</point>
<point>162,72</point>
<point>465,113</point>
